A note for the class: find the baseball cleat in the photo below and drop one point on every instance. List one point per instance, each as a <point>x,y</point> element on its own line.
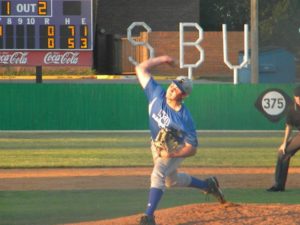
<point>214,189</point>
<point>147,220</point>
<point>275,189</point>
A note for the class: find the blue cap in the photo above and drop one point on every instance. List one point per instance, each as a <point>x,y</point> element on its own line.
<point>184,84</point>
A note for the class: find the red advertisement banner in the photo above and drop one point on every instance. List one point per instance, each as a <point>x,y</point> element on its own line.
<point>46,58</point>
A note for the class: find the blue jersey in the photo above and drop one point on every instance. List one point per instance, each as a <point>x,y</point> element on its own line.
<point>163,116</point>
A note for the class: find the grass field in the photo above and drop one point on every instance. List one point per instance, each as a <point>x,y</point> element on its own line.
<point>82,149</point>
<point>100,149</point>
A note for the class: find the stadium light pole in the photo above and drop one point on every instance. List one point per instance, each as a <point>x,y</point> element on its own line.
<point>254,42</point>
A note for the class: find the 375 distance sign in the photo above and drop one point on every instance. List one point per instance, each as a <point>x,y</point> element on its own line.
<point>273,103</point>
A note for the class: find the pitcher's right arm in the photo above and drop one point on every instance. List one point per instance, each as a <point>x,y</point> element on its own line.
<point>143,69</point>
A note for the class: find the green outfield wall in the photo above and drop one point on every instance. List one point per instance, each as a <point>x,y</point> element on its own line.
<point>124,107</point>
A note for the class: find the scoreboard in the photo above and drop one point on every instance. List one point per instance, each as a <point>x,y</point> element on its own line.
<point>46,32</point>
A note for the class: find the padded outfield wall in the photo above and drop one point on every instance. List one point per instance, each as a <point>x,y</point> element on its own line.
<point>124,107</point>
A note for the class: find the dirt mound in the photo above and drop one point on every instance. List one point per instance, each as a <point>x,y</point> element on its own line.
<point>216,214</point>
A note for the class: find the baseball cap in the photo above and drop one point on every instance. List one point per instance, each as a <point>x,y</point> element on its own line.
<point>184,84</point>
<point>297,91</point>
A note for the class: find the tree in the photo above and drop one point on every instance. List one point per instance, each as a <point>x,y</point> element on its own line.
<point>214,13</point>
<point>279,20</point>
<point>279,24</point>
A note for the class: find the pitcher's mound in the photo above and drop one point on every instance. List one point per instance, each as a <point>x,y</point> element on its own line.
<point>216,214</point>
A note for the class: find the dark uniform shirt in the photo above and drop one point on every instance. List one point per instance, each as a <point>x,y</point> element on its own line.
<point>293,116</point>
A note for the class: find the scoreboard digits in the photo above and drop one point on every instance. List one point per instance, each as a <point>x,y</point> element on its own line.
<point>20,7</point>
<point>42,8</point>
<point>46,24</point>
<point>47,37</point>
<point>67,39</point>
<point>6,8</point>
<point>84,36</point>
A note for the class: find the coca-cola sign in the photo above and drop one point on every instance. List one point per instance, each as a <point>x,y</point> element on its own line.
<point>58,58</point>
<point>46,58</point>
<point>14,58</point>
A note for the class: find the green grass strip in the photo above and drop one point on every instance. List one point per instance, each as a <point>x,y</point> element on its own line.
<point>101,149</point>
<point>57,207</point>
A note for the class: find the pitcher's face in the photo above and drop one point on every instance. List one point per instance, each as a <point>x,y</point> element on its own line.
<point>174,93</point>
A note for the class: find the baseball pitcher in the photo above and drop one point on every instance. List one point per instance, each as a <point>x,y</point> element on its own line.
<point>173,136</point>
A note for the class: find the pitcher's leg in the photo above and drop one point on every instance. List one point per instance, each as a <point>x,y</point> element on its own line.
<point>155,194</point>
<point>197,183</point>
<point>209,185</point>
<point>162,168</point>
<point>157,187</point>
<point>165,171</point>
<point>185,180</point>
<point>178,180</point>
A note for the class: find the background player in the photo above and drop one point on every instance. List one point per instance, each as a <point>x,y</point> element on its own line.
<point>166,110</point>
<point>289,146</point>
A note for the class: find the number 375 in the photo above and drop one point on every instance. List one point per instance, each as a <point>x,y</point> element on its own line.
<point>271,103</point>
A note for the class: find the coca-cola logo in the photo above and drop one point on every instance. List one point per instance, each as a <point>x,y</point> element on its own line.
<point>14,58</point>
<point>65,58</point>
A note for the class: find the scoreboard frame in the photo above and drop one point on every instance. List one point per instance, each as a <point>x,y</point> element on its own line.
<point>63,35</point>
